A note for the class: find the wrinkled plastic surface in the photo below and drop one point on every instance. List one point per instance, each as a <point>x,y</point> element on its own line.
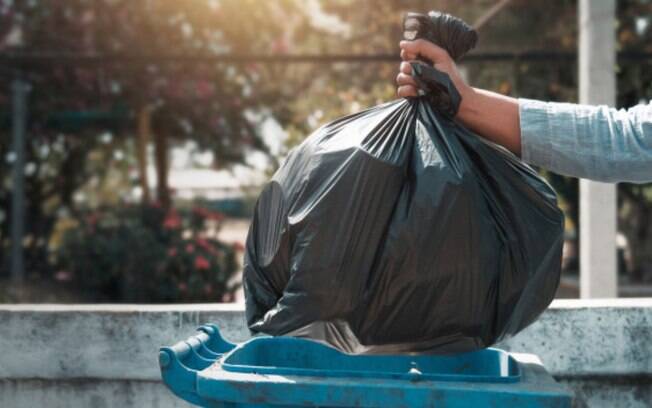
<point>397,227</point>
<point>398,230</point>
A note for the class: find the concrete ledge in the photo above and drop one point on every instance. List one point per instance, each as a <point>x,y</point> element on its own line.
<point>101,341</point>
<point>591,337</point>
<point>602,348</point>
<point>86,394</point>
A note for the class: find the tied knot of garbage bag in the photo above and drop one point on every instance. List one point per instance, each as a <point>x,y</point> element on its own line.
<point>449,32</point>
<point>438,88</point>
<point>453,35</point>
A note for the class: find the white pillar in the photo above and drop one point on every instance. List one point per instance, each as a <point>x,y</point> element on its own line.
<point>597,62</point>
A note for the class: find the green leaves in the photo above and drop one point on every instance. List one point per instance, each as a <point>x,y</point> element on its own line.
<point>149,254</point>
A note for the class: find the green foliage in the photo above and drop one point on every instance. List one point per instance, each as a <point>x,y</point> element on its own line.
<point>212,104</point>
<point>74,104</point>
<point>148,254</point>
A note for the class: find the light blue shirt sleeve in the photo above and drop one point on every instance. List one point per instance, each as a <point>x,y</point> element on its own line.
<point>593,142</point>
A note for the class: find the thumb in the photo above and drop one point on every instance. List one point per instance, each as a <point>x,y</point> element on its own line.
<point>423,48</point>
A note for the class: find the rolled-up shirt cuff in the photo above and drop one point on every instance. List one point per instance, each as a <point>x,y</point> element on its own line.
<point>594,142</point>
<point>536,132</point>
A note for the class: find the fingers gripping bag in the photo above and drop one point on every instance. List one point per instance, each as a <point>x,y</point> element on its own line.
<point>398,230</point>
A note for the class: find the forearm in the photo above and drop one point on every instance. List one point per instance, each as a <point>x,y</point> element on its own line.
<point>493,116</point>
<point>593,142</point>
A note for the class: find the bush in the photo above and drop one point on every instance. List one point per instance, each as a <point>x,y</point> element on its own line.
<point>149,254</point>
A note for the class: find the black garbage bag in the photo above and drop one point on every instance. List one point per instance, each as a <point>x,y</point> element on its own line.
<point>398,230</point>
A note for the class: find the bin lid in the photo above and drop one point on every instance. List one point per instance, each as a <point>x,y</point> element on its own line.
<point>207,370</point>
<point>296,356</point>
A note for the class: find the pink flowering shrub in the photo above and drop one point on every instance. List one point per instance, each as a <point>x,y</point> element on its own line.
<point>150,254</point>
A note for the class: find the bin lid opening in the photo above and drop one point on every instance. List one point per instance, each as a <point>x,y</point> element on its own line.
<point>302,357</point>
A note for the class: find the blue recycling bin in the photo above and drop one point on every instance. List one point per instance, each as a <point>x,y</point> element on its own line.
<point>209,371</point>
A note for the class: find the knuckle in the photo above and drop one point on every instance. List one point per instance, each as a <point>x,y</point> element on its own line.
<point>421,44</point>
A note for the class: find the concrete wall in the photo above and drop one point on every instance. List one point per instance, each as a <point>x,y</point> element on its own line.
<point>106,355</point>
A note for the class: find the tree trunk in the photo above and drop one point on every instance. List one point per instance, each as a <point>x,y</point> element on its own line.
<point>142,140</point>
<point>161,162</point>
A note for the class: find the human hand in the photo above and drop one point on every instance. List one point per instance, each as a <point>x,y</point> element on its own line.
<point>410,51</point>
